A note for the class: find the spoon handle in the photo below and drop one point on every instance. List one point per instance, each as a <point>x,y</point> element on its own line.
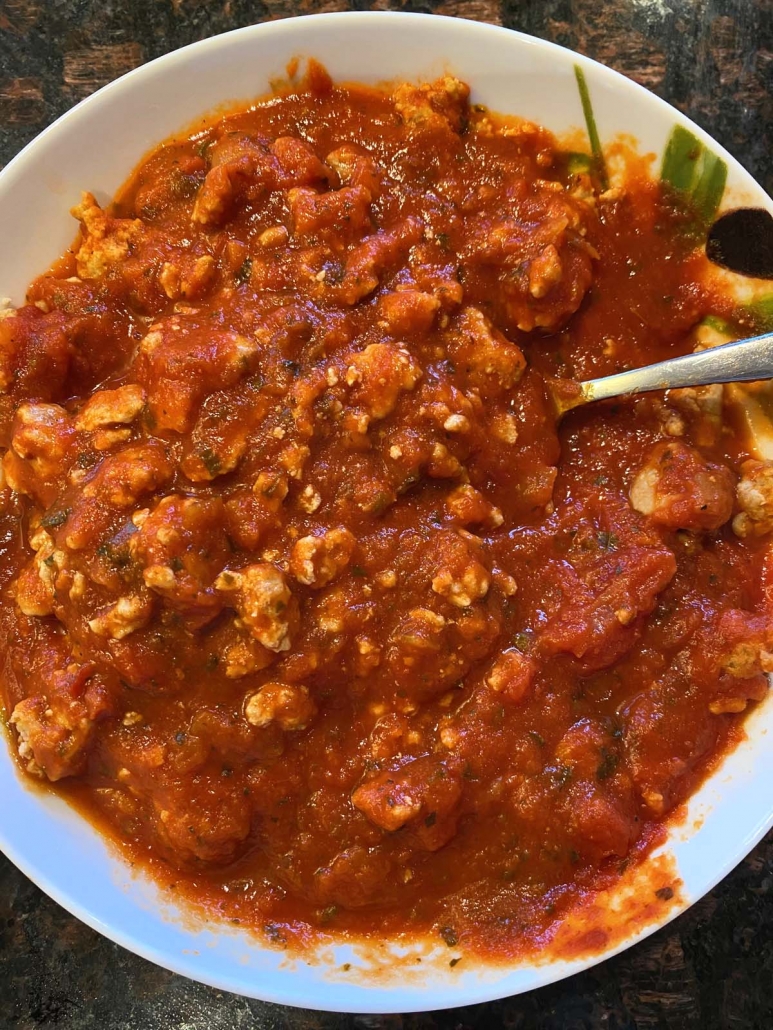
<point>738,362</point>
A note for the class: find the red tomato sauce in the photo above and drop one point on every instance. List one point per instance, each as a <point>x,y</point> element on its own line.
<point>308,599</point>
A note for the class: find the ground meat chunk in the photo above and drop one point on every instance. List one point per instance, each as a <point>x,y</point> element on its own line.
<point>755,499</point>
<point>378,375</point>
<point>55,732</point>
<point>111,407</point>
<point>182,546</point>
<point>582,747</point>
<point>741,646</point>
<point>264,602</point>
<point>271,489</point>
<point>223,189</point>
<point>600,825</point>
<point>421,796</point>
<point>537,266</point>
<point>376,255</point>
<point>545,272</point>
<point>298,162</point>
<point>600,616</point>
<point>441,105</point>
<point>512,675</point>
<point>180,362</point>
<point>287,704</point>
<point>245,657</point>
<point>106,240</point>
<point>126,616</point>
<point>345,211</point>
<point>35,353</point>
<point>208,835</point>
<point>315,561</point>
<point>748,639</point>
<point>250,514</point>
<point>703,406</point>
<point>354,167</point>
<point>123,478</point>
<point>35,587</point>
<point>408,311</point>
<point>220,437</point>
<point>677,489</point>
<point>353,878</point>
<point>420,645</point>
<point>52,738</point>
<point>489,362</point>
<point>42,445</point>
<point>189,276</point>
<point>42,434</point>
<point>117,483</point>
<point>461,578</point>
<point>657,751</point>
<point>468,507</point>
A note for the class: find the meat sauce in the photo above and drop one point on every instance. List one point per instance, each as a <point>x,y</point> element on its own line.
<point>306,594</point>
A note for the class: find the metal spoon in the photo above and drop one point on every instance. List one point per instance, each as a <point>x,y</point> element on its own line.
<point>742,361</point>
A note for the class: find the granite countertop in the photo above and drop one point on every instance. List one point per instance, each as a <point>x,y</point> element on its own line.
<point>713,966</point>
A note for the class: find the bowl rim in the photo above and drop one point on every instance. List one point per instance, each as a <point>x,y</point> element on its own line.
<point>377,999</point>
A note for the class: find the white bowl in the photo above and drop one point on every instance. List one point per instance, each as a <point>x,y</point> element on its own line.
<point>94,147</point>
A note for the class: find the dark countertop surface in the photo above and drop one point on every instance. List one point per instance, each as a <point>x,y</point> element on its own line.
<point>712,967</point>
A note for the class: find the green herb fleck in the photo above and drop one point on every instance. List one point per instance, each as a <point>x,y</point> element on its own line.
<point>357,570</point>
<point>118,559</point>
<point>55,518</point>
<point>381,503</point>
<point>274,933</point>
<point>522,641</point>
<point>561,775</point>
<point>608,541</point>
<point>243,273</point>
<point>607,765</point>
<point>211,461</point>
<point>149,418</point>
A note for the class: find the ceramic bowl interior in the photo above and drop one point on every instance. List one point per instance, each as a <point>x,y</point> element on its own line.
<point>94,147</point>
